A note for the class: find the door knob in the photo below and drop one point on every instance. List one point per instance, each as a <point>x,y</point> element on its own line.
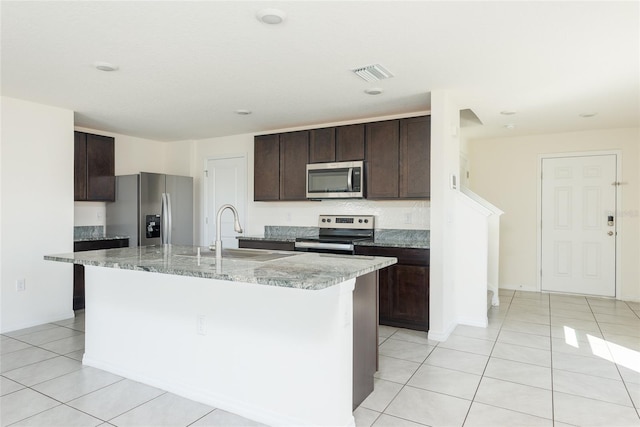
<point>610,233</point>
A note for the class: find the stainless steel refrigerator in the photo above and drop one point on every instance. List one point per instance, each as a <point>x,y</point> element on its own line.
<point>152,209</point>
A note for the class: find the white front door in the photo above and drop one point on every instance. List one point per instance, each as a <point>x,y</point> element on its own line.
<point>226,183</point>
<point>578,239</point>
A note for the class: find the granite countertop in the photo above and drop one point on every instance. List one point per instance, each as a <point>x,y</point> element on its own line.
<point>269,239</point>
<point>97,238</point>
<point>301,270</point>
<point>389,243</point>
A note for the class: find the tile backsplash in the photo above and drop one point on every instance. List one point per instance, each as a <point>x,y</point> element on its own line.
<point>88,231</point>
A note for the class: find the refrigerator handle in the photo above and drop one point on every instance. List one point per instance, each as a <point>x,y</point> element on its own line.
<point>166,219</point>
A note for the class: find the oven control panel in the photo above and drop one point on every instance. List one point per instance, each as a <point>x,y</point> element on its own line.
<point>361,222</point>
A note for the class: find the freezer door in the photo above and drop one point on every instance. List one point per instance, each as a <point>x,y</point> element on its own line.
<point>122,214</point>
<point>180,189</point>
<point>152,185</point>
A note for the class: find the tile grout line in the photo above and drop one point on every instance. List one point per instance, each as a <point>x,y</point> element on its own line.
<point>208,413</point>
<point>475,393</point>
<point>553,400</point>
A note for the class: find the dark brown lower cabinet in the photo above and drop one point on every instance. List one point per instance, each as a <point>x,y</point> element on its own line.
<point>78,270</point>
<point>404,287</point>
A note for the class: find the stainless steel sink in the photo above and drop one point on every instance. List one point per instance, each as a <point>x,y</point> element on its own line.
<point>248,254</point>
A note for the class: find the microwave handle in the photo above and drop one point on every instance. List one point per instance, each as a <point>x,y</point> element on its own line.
<point>350,180</point>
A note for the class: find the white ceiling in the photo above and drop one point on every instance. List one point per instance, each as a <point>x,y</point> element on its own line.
<point>185,66</point>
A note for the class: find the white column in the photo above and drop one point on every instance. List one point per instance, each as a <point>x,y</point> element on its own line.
<point>445,163</point>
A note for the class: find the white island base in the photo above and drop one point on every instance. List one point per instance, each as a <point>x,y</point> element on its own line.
<point>277,355</point>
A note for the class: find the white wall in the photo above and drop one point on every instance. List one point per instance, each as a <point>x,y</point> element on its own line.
<point>505,171</point>
<point>133,155</point>
<point>37,212</point>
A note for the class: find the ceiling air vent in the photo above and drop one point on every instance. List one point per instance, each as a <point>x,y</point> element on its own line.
<point>373,73</point>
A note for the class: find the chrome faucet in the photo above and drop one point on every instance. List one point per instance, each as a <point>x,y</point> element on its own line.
<point>236,227</point>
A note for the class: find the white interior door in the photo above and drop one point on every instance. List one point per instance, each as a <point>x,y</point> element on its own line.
<point>578,239</point>
<point>226,183</point>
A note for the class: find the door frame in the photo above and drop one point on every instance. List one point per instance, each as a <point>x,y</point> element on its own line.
<point>619,223</point>
<point>205,193</point>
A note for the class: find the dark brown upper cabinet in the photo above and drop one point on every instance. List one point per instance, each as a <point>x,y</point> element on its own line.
<point>294,156</point>
<point>397,156</point>
<point>322,145</point>
<point>382,155</point>
<point>94,167</point>
<point>280,166</point>
<point>266,171</point>
<point>399,159</point>
<point>339,144</point>
<point>350,143</point>
<point>415,158</point>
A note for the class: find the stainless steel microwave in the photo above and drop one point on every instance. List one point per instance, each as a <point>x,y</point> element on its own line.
<point>338,180</point>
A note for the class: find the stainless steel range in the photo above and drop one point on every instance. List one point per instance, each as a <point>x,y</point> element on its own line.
<point>337,234</point>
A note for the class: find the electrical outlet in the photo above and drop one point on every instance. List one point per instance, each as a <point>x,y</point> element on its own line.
<point>201,324</point>
<point>21,286</point>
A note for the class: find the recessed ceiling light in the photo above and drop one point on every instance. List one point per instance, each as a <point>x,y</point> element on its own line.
<point>242,112</point>
<point>271,16</point>
<point>587,115</point>
<point>507,113</point>
<point>510,126</point>
<point>105,66</point>
<point>373,91</point>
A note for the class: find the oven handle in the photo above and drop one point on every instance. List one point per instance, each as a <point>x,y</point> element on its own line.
<point>315,245</point>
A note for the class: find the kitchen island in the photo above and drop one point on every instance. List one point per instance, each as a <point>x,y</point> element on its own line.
<point>264,334</point>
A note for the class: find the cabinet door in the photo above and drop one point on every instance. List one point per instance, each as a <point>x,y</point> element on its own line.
<point>294,155</point>
<point>322,145</point>
<point>385,280</point>
<point>80,166</point>
<point>415,157</point>
<point>382,149</point>
<point>350,143</point>
<point>409,294</point>
<point>403,287</point>
<point>266,172</point>
<point>101,181</point>
<point>78,287</point>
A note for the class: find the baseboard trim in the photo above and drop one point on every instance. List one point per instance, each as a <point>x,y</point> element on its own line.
<point>441,336</point>
<point>37,322</point>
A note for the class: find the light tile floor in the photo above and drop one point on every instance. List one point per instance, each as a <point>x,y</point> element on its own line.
<point>544,360</point>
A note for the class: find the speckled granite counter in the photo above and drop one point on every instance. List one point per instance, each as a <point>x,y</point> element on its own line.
<point>270,238</point>
<point>293,270</point>
<point>92,233</point>
<point>98,238</point>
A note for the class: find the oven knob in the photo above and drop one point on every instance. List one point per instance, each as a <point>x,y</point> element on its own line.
<point>329,220</point>
<point>324,220</point>
<point>360,221</point>
<point>366,221</point>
